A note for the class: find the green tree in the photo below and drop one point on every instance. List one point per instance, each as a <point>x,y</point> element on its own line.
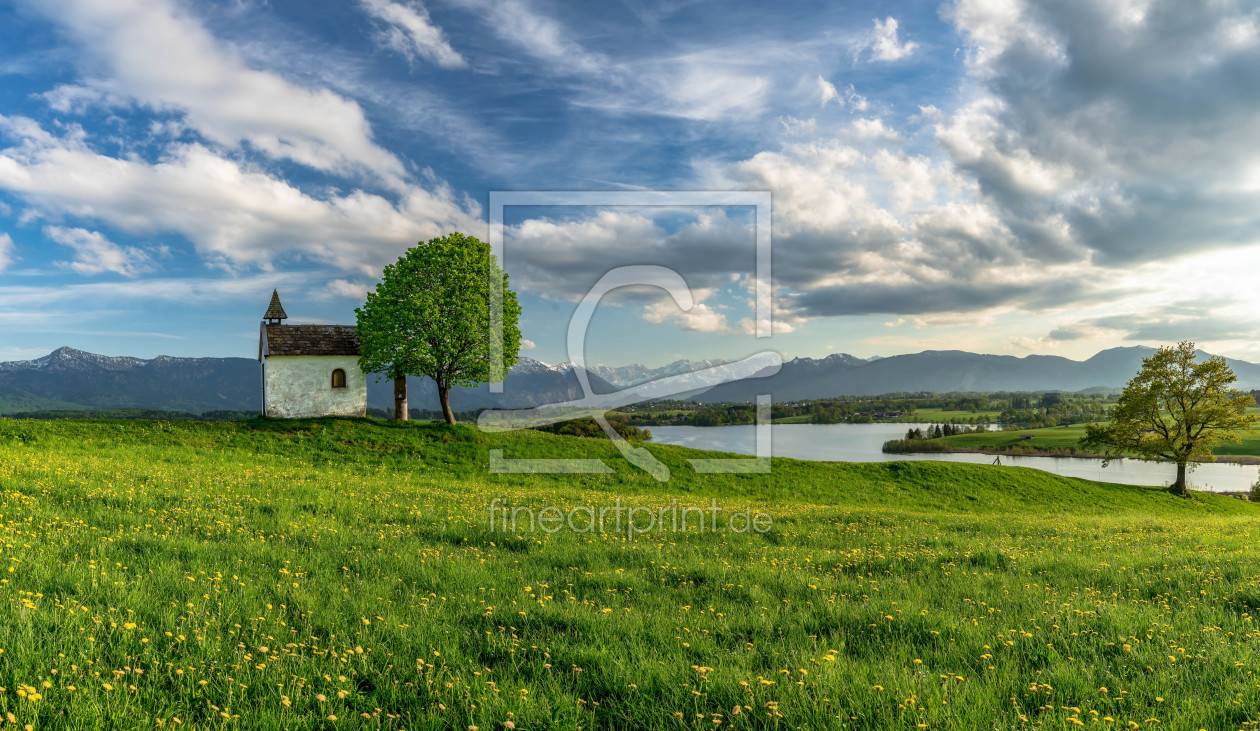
<point>430,315</point>
<point>1175,409</point>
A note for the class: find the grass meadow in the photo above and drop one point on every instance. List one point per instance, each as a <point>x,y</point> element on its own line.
<point>345,574</point>
<point>923,416</point>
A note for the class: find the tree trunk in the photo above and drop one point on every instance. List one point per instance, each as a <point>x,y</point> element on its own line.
<point>400,398</point>
<point>444,394</point>
<point>1179,487</point>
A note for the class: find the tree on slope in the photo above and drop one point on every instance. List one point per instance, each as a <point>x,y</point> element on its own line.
<point>430,315</point>
<point>1176,409</point>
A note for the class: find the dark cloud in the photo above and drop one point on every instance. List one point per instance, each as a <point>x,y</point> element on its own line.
<point>1135,128</point>
<point>1095,135</point>
<point>563,259</point>
<point>1097,138</point>
<point>929,297</point>
<point>1068,333</point>
<point>1171,323</point>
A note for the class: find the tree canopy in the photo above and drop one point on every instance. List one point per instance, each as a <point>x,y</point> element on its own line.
<point>430,315</point>
<point>1175,409</point>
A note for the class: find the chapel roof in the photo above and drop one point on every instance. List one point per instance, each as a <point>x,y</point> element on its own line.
<point>308,340</point>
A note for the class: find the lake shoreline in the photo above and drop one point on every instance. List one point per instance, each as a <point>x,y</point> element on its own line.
<point>864,442</point>
<point>1238,459</point>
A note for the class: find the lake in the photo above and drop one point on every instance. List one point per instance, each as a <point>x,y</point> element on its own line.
<point>863,442</point>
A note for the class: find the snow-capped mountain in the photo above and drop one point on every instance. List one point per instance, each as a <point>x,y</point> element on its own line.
<point>529,383</point>
<point>634,374</point>
<point>73,379</point>
<point>67,358</point>
<point>530,367</point>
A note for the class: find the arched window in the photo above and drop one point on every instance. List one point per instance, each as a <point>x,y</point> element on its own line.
<point>339,378</point>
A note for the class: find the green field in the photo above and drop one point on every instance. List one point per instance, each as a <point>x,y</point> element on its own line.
<point>940,416</point>
<point>1049,438</point>
<point>1064,437</point>
<point>797,419</point>
<point>344,574</point>
<point>921,416</point>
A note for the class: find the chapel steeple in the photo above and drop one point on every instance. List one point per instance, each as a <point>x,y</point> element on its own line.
<point>275,311</point>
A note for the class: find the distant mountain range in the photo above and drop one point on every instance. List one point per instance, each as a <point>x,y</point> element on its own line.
<point>72,379</point>
<point>528,383</point>
<point>942,371</point>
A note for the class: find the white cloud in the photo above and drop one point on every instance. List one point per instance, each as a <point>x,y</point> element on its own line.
<point>700,318</point>
<point>6,251</point>
<point>861,232</point>
<point>994,26</point>
<point>409,31</point>
<point>234,214</point>
<point>1239,33</point>
<point>562,259</point>
<point>1113,133</point>
<point>540,36</point>
<point>914,180</point>
<point>874,129</point>
<point>182,290</point>
<point>817,185</point>
<point>856,100</point>
<point>976,137</point>
<point>798,127</point>
<point>75,99</point>
<point>95,254</point>
<point>155,53</point>
<point>883,43</point>
<point>351,290</point>
<point>527,344</point>
<point>707,83</point>
<point>780,325</point>
<point>827,92</point>
<point>11,354</point>
<point>710,84</point>
<point>848,96</point>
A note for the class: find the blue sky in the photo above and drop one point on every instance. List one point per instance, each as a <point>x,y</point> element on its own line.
<point>991,175</point>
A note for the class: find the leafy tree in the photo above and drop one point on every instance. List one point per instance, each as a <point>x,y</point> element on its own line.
<point>1175,409</point>
<point>430,316</point>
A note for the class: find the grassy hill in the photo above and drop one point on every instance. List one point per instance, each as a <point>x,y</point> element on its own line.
<point>333,573</point>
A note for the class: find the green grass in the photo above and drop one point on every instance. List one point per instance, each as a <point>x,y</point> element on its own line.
<point>796,419</point>
<point>232,574</point>
<point>936,416</point>
<point>1048,438</point>
<point>921,416</point>
<point>1064,437</point>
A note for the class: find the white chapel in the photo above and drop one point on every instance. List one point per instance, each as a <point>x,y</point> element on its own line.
<point>309,370</point>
